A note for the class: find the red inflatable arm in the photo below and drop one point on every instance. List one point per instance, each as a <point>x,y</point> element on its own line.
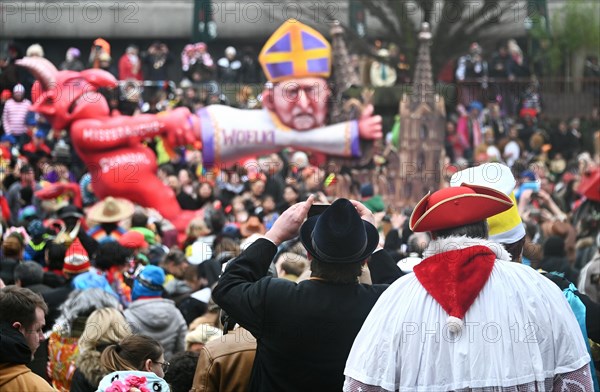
<point>52,191</point>
<point>120,165</point>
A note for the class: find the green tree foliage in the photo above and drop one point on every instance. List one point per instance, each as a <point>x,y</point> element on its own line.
<point>575,27</point>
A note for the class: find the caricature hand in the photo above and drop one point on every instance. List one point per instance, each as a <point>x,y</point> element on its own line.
<point>369,126</point>
<point>181,127</point>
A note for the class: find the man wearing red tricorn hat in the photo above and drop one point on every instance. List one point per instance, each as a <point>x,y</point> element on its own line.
<point>468,319</point>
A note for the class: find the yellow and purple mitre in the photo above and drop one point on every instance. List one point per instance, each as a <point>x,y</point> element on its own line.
<point>295,51</point>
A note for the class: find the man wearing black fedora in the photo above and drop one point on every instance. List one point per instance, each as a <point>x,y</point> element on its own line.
<point>305,330</point>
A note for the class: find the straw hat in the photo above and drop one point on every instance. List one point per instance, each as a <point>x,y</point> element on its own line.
<point>111,210</point>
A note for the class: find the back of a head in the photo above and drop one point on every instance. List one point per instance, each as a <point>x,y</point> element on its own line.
<point>29,273</point>
<point>180,375</point>
<point>19,304</point>
<point>554,246</point>
<point>103,327</point>
<point>139,219</point>
<point>175,256</point>
<point>12,247</point>
<point>418,242</point>
<point>338,241</point>
<point>131,353</point>
<point>111,254</point>
<point>471,230</point>
<point>81,303</point>
<point>292,264</point>
<point>55,255</point>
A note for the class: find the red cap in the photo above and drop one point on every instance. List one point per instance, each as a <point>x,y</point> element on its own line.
<point>531,112</point>
<point>133,239</point>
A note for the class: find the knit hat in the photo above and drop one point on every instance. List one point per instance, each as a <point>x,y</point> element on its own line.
<point>366,190</point>
<point>149,283</point>
<point>74,52</point>
<point>76,259</point>
<point>36,228</point>
<point>133,240</point>
<point>92,279</point>
<point>8,138</point>
<point>148,234</point>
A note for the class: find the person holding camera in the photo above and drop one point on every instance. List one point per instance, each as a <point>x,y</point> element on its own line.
<point>305,330</point>
<point>156,61</point>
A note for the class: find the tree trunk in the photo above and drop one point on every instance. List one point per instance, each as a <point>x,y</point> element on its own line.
<point>578,64</point>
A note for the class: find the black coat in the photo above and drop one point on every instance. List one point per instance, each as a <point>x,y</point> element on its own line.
<point>81,384</point>
<point>304,331</point>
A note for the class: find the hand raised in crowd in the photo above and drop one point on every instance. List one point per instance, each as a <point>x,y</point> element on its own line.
<point>398,220</point>
<point>551,205</point>
<point>288,224</point>
<point>379,217</point>
<point>321,198</point>
<point>364,212</point>
<point>369,126</point>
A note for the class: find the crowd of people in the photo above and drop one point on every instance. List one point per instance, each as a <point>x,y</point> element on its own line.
<point>105,294</point>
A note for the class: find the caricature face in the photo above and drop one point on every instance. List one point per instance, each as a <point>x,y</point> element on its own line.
<point>301,104</point>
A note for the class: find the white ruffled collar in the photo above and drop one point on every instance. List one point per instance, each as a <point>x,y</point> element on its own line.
<point>461,242</point>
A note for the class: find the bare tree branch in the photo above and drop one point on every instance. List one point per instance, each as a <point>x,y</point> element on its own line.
<point>428,10</point>
<point>381,13</point>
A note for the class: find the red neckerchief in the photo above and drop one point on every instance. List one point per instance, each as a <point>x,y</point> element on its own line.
<point>455,278</point>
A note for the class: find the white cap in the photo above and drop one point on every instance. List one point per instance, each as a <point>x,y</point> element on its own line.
<point>300,159</point>
<point>201,251</point>
<point>19,88</point>
<point>492,175</point>
<point>230,51</point>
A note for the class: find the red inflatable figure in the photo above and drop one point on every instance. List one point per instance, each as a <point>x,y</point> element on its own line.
<point>110,147</point>
<point>297,62</point>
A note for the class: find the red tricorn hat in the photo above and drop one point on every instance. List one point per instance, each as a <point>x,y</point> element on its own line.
<point>457,206</point>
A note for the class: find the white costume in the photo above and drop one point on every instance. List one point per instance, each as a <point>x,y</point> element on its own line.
<point>519,331</point>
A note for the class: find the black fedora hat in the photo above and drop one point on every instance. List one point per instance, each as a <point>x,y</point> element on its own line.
<point>339,235</point>
<point>69,211</point>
